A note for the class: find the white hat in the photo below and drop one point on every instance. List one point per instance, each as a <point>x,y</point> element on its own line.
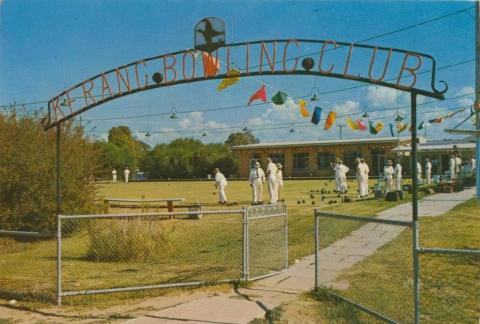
<point>257,164</point>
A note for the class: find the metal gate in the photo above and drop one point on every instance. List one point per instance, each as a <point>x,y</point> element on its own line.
<point>267,241</point>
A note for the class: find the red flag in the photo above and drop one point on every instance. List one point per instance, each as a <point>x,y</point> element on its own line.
<point>211,65</point>
<point>259,95</point>
<point>361,125</point>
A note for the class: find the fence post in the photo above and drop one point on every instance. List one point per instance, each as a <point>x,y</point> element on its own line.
<point>286,236</point>
<point>317,268</point>
<point>245,245</point>
<point>416,279</point>
<point>59,260</point>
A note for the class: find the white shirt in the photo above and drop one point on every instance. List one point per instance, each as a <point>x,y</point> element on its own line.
<point>388,172</point>
<point>280,177</point>
<point>114,172</point>
<point>255,174</point>
<point>419,168</point>
<point>341,170</point>
<point>220,179</point>
<point>271,170</point>
<point>398,170</point>
<point>126,172</point>
<point>366,169</point>
<point>451,163</point>
<point>428,166</point>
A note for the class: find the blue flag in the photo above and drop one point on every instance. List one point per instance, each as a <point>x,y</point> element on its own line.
<point>317,115</point>
<point>391,129</point>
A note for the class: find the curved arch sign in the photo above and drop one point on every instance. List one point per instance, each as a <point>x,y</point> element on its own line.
<point>384,66</point>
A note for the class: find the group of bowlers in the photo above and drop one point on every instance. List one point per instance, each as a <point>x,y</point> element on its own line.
<point>126,175</point>
<point>273,177</point>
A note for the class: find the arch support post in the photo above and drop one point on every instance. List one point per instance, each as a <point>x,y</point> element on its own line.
<point>58,211</point>
<point>415,239</point>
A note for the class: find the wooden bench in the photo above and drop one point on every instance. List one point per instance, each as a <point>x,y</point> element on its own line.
<point>117,202</point>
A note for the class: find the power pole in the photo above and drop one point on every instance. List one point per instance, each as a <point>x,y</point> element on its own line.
<point>341,126</point>
<point>477,91</point>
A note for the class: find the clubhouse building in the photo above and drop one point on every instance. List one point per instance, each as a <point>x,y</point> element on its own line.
<point>312,158</point>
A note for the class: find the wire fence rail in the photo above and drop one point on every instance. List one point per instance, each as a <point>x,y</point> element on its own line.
<point>107,253</point>
<point>368,262</point>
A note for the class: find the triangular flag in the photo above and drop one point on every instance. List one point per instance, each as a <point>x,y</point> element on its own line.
<point>234,78</point>
<point>399,118</point>
<point>330,120</point>
<point>361,126</point>
<point>450,114</point>
<point>351,124</point>
<point>260,94</point>
<point>279,98</point>
<point>391,129</point>
<point>371,128</point>
<point>401,127</point>
<point>437,120</point>
<point>211,65</point>
<point>422,125</point>
<point>379,127</point>
<point>302,104</point>
<point>317,115</point>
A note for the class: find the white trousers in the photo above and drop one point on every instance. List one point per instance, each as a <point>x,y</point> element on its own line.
<point>363,185</point>
<point>453,175</point>
<point>398,183</point>
<point>114,179</point>
<point>222,197</point>
<point>126,179</point>
<point>428,177</point>
<point>337,184</point>
<point>257,187</point>
<point>389,186</point>
<point>419,179</point>
<point>273,190</point>
<point>342,184</point>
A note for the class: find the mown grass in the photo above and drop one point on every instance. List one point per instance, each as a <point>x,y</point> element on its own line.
<point>206,249</point>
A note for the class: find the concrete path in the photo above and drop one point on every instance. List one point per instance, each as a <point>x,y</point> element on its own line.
<point>245,304</point>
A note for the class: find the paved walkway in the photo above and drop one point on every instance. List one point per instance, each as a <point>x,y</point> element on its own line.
<point>245,304</point>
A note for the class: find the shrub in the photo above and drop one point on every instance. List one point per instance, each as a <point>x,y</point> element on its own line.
<point>27,173</point>
<point>127,239</point>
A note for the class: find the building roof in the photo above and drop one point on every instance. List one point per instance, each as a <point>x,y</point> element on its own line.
<point>369,140</point>
<point>437,146</point>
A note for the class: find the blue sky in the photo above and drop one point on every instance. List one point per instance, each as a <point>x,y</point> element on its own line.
<point>47,46</point>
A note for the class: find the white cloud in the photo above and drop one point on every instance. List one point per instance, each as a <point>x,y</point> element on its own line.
<point>465,91</point>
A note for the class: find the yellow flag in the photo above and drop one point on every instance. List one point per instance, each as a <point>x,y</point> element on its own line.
<point>379,127</point>
<point>351,124</point>
<point>330,119</point>
<point>229,81</point>
<point>401,127</point>
<point>302,104</point>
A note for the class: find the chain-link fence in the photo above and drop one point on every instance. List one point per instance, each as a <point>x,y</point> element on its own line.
<point>27,265</point>
<point>367,262</point>
<point>267,240</point>
<point>125,252</point>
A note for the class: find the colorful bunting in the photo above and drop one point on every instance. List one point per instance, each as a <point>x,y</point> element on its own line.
<point>234,75</point>
<point>401,127</point>
<point>399,118</point>
<point>279,98</point>
<point>260,94</point>
<point>437,120</point>
<point>317,115</point>
<point>302,104</point>
<point>330,120</point>
<point>361,126</point>
<point>391,129</point>
<point>351,124</point>
<point>211,65</point>
<point>375,129</point>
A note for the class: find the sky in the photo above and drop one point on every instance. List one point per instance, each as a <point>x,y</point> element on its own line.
<point>48,46</point>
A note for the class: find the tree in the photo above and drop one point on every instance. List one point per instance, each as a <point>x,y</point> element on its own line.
<point>241,138</point>
<point>27,173</point>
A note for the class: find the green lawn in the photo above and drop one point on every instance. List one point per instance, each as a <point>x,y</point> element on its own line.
<point>185,250</point>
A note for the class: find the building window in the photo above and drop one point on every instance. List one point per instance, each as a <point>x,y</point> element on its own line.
<point>349,158</point>
<point>300,161</point>
<point>278,158</point>
<point>324,159</point>
<point>255,157</point>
